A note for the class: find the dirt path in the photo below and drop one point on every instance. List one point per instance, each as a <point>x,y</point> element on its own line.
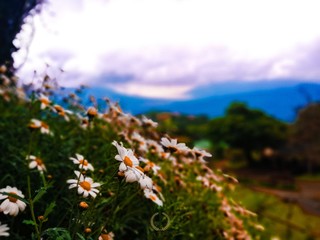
<point>305,193</point>
<point>307,196</point>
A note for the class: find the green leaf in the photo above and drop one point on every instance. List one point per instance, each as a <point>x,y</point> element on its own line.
<point>80,236</point>
<point>49,209</point>
<point>57,234</point>
<point>41,192</point>
<point>15,196</point>
<point>29,222</point>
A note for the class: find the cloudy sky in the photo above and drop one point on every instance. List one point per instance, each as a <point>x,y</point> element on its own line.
<point>167,48</point>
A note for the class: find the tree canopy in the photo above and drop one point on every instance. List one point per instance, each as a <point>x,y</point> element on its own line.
<point>304,137</point>
<point>248,129</point>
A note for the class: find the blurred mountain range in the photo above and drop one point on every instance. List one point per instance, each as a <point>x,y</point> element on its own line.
<point>280,99</point>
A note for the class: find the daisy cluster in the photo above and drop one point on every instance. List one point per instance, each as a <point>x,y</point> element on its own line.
<point>161,167</point>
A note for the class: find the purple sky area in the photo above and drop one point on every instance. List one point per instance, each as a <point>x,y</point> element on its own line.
<point>166,48</point>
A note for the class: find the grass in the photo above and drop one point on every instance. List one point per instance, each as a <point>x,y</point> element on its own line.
<point>281,219</point>
<point>309,177</point>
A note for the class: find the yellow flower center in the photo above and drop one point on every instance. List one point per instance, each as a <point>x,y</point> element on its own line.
<point>83,162</point>
<point>84,205</point>
<point>12,199</point>
<point>85,185</point>
<point>146,168</point>
<point>44,125</point>
<point>45,101</point>
<point>153,197</point>
<point>151,164</point>
<point>127,161</point>
<point>158,188</point>
<point>39,161</point>
<point>32,125</point>
<point>140,168</point>
<point>58,108</point>
<point>92,111</point>
<point>105,236</point>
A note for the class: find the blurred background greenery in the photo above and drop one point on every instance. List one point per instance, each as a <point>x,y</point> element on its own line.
<point>277,163</point>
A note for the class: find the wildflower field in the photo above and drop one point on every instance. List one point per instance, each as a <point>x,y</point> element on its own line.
<point>73,171</point>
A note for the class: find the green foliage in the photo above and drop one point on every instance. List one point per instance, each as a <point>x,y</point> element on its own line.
<point>292,223</point>
<point>194,197</point>
<point>247,129</point>
<point>187,127</point>
<point>304,137</point>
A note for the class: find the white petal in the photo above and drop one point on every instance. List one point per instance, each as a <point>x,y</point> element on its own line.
<point>4,204</point>
<point>74,160</point>
<point>122,167</point>
<point>80,190</point>
<point>21,205</point>
<point>72,181</point>
<point>32,164</point>
<point>85,194</point>
<point>94,185</point>
<point>79,156</point>
<point>92,194</point>
<point>14,210</point>
<point>89,180</point>
<point>77,173</point>
<point>31,157</point>
<point>158,202</point>
<point>94,190</point>
<point>73,185</point>
<point>90,167</point>
<point>3,196</point>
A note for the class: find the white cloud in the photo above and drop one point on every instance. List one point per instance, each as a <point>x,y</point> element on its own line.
<point>171,46</point>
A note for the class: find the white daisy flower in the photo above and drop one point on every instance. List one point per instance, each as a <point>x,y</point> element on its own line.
<point>143,147</point>
<point>132,175</point>
<point>92,112</point>
<point>150,165</point>
<point>151,195</point>
<point>200,154</point>
<point>173,146</point>
<point>83,163</point>
<point>106,236</point>
<point>145,182</point>
<point>126,157</point>
<point>85,185</point>
<point>44,101</point>
<point>154,147</point>
<point>84,122</point>
<point>138,138</point>
<point>3,230</point>
<point>62,112</point>
<point>148,122</point>
<point>11,205</point>
<point>114,107</point>
<point>36,163</point>
<point>44,128</point>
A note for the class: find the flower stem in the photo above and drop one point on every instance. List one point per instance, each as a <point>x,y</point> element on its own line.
<point>32,209</point>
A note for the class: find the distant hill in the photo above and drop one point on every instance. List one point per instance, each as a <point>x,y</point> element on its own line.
<point>278,100</point>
